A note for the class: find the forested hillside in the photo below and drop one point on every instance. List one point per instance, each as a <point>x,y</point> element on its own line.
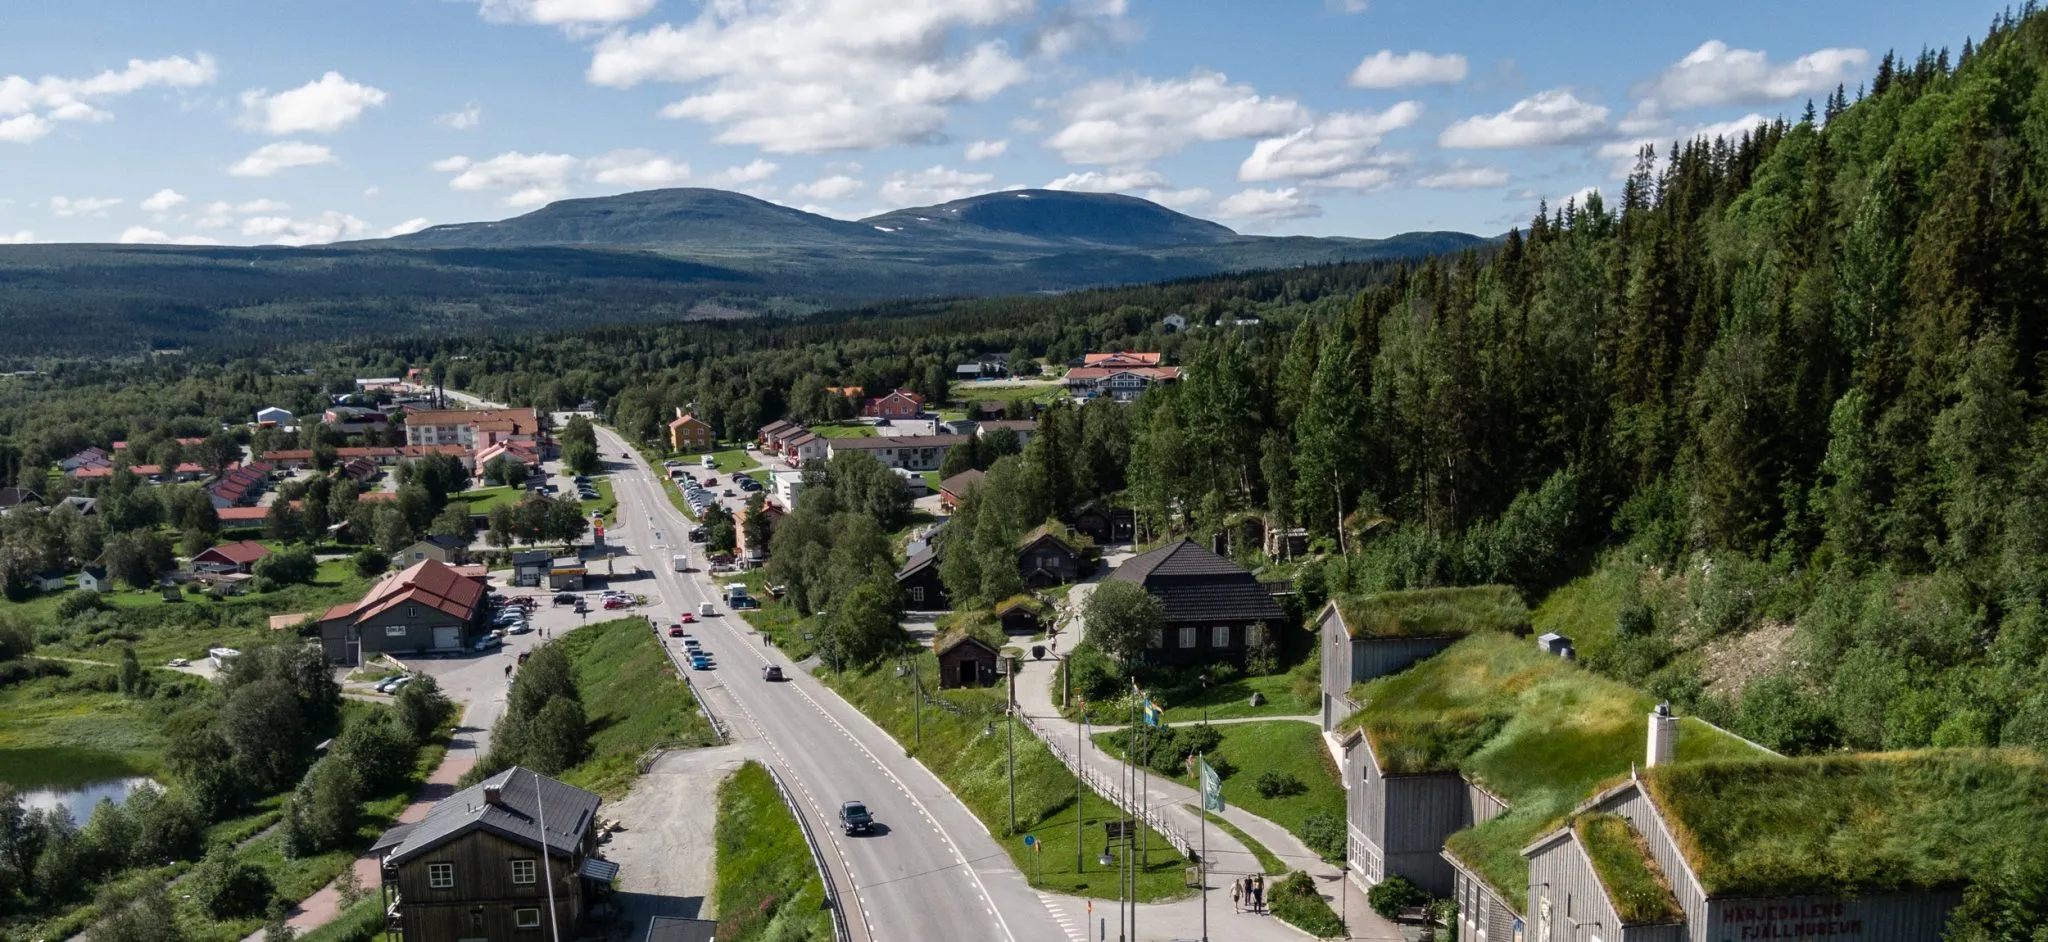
<point>1785,399</point>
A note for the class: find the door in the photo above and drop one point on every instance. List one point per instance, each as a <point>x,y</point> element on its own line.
<point>968,677</point>
<point>447,637</point>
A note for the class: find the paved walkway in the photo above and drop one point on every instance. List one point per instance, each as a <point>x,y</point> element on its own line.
<point>1229,857</point>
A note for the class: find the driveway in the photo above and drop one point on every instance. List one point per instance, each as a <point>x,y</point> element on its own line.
<point>668,848</point>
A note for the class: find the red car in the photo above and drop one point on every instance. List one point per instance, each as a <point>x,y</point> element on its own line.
<point>689,618</point>
<point>614,603</point>
<point>676,631</point>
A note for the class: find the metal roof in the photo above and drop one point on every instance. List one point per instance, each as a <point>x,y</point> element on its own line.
<point>1196,585</point>
<point>522,798</point>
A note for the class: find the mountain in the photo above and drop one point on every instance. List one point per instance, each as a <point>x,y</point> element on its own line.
<point>657,255</point>
<point>1055,216</point>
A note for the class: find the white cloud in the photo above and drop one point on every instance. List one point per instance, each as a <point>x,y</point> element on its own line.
<point>564,12</point>
<point>143,235</point>
<point>835,187</point>
<point>83,206</point>
<point>23,237</point>
<point>937,184</point>
<point>1334,146</point>
<point>1389,69</point>
<point>221,215</point>
<point>469,117</point>
<point>323,106</point>
<point>162,201</point>
<point>985,150</point>
<point>1551,117</point>
<point>1114,181</point>
<point>408,227</point>
<point>371,190</point>
<point>270,159</point>
<point>1715,74</point>
<point>65,99</point>
<point>282,230</point>
<point>24,128</point>
<point>1081,24</point>
<point>1130,121</point>
<point>1350,6</point>
<point>754,172</point>
<point>1188,199</point>
<point>807,76</point>
<point>534,178</point>
<point>1464,176</point>
<point>1267,205</point>
<point>637,168</point>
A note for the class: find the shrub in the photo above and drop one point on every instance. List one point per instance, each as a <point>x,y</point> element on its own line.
<point>228,888</point>
<point>1324,834</point>
<point>80,602</point>
<point>1276,784</point>
<point>1395,893</point>
<point>1294,899</point>
<point>371,561</point>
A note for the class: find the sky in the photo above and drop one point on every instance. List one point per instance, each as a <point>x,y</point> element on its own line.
<point>306,121</point>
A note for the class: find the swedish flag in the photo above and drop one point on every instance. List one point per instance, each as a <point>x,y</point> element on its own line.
<point>1152,712</point>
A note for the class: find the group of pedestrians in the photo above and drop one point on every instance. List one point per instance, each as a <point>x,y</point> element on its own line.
<point>1248,893</point>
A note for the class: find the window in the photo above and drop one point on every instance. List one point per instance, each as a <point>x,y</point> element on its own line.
<point>395,631</point>
<point>412,611</point>
<point>917,593</point>
<point>1188,636</point>
<point>1254,635</point>
<point>526,918</point>
<point>441,876</point>
<point>1219,637</point>
<point>522,871</point>
<point>1158,638</point>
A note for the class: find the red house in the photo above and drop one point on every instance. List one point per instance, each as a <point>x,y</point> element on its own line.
<point>901,404</point>
<point>230,557</point>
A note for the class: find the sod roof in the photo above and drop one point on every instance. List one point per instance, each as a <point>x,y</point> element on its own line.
<point>1535,729</point>
<point>1621,859</point>
<point>1434,613</point>
<point>1851,825</point>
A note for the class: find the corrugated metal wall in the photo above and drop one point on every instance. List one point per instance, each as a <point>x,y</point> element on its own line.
<point>1900,917</point>
<point>1421,811</point>
<point>1378,657</point>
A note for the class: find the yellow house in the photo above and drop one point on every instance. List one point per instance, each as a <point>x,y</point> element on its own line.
<point>688,433</point>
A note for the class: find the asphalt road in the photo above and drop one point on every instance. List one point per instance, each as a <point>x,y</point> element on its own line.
<point>931,870</point>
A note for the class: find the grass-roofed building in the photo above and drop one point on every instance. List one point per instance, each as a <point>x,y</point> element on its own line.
<point>1869,848</point>
<point>1368,636</point>
<point>1482,749</point>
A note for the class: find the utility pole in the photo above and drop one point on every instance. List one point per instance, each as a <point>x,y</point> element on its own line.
<point>1010,732</point>
<point>1080,764</point>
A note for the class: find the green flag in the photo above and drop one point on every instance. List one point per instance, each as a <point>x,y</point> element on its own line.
<point>1212,787</point>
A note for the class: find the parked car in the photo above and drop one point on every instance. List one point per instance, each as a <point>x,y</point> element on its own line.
<point>520,628</point>
<point>771,673</point>
<point>397,683</point>
<point>489,641</point>
<point>709,462</point>
<point>179,662</point>
<point>389,683</point>
<point>728,492</point>
<point>699,535</point>
<point>582,606</point>
<point>523,602</point>
<point>855,819</point>
<point>711,480</point>
<point>565,598</point>
<point>615,604</point>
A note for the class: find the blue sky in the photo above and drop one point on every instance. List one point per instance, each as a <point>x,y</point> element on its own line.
<point>260,121</point>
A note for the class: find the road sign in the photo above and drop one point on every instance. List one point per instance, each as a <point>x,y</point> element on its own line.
<point>1117,830</point>
<point>1030,841</point>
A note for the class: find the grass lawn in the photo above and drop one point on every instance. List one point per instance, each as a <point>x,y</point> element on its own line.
<point>776,618</point>
<point>1586,609</point>
<point>851,430</point>
<point>1286,747</point>
<point>362,922</point>
<point>973,766</point>
<point>1268,861</point>
<point>964,393</point>
<point>1233,700</point>
<point>633,700</point>
<point>188,627</point>
<point>482,499</point>
<point>54,733</point>
<point>606,502</point>
<point>731,460</point>
<point>768,884</point>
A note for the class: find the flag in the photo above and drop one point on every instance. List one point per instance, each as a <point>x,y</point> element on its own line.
<point>1212,787</point>
<point>1151,712</point>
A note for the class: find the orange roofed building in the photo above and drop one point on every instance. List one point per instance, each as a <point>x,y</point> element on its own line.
<point>429,607</point>
<point>688,433</point>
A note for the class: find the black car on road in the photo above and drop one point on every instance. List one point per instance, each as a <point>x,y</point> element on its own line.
<point>854,817</point>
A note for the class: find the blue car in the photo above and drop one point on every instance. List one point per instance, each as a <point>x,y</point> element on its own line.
<point>700,663</point>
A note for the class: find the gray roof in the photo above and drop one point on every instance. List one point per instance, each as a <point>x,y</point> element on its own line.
<point>923,560</point>
<point>533,558</point>
<point>678,929</point>
<point>446,542</point>
<point>523,799</point>
<point>1195,585</point>
<point>880,442</point>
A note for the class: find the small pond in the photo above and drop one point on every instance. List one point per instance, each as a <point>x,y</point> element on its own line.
<point>73,779</point>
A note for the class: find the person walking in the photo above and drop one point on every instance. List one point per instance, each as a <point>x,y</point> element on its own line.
<point>1237,895</point>
<point>1259,893</point>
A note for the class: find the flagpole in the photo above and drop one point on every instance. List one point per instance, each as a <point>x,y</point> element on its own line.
<point>547,871</point>
<point>1202,864</point>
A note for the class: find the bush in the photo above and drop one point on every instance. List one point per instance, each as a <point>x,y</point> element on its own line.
<point>80,602</point>
<point>422,707</point>
<point>371,562</point>
<point>1324,834</point>
<point>1275,784</point>
<point>295,566</point>
<point>1395,893</point>
<point>228,888</point>
<point>1294,899</point>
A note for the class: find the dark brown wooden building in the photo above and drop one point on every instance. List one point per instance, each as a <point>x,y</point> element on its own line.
<point>922,589</point>
<point>1105,524</point>
<point>1213,609</point>
<point>965,660</point>
<point>480,865</point>
<point>1045,559</point>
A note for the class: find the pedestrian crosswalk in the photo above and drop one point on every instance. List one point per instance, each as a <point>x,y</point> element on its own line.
<point>1074,924</point>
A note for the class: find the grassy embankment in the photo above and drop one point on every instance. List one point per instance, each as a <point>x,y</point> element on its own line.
<point>632,699</point>
<point>972,764</point>
<point>768,883</point>
<point>1288,748</point>
<point>776,618</point>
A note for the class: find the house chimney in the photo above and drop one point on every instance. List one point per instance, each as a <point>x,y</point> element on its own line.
<point>495,795</point>
<point>1663,736</point>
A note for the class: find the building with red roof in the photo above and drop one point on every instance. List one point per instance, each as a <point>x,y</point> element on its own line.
<point>230,557</point>
<point>428,607</point>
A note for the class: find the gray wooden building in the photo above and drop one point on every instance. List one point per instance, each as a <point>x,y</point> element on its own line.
<point>1397,822</point>
<point>427,607</point>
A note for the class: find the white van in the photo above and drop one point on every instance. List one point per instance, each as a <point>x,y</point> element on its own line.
<point>681,563</point>
<point>706,610</point>
<point>709,463</point>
